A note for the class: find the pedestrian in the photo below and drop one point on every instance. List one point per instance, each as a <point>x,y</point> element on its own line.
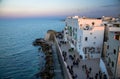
<point>77,63</point>
<point>65,58</point>
<point>68,67</point>
<point>73,63</point>
<point>83,67</point>
<point>90,69</point>
<point>96,76</point>
<point>78,60</point>
<point>104,76</point>
<point>87,73</point>
<point>99,72</point>
<point>71,72</point>
<point>74,76</point>
<point>59,44</point>
<point>71,67</point>
<point>100,76</point>
<point>74,56</point>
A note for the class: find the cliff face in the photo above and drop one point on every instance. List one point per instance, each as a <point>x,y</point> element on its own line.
<point>50,35</point>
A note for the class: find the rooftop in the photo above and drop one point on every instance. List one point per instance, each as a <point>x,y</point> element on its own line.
<point>83,17</point>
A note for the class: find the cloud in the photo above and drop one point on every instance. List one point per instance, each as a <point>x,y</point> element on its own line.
<point>111,5</point>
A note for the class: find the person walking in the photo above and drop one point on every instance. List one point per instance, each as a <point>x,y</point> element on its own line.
<point>83,67</point>
<point>90,69</point>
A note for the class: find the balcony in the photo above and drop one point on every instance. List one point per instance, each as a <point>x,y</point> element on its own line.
<point>114,29</point>
<point>117,37</point>
<point>87,28</point>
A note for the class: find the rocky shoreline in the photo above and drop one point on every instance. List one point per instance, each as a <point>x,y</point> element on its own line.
<point>47,71</point>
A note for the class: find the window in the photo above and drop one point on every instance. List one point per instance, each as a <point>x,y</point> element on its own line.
<point>112,64</point>
<point>116,25</point>
<point>107,46</point>
<point>76,29</point>
<point>114,51</point>
<point>95,37</point>
<point>86,57</point>
<point>93,23</point>
<point>109,60</point>
<point>117,37</point>
<point>85,50</point>
<point>72,41</point>
<point>90,33</point>
<point>94,42</point>
<point>70,30</point>
<point>105,24</point>
<point>80,39</point>
<point>86,38</point>
<point>65,24</point>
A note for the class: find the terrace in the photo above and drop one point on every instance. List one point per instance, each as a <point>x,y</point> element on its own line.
<point>75,66</point>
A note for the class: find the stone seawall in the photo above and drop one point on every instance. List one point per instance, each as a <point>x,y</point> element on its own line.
<point>61,59</point>
<point>51,36</point>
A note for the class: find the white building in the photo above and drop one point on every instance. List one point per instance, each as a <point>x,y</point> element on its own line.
<point>85,35</point>
<point>108,22</point>
<point>112,52</point>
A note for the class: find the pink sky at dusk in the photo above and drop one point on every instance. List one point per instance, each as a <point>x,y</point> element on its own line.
<point>23,8</point>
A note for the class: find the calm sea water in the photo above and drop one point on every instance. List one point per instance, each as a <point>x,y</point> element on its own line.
<point>18,58</point>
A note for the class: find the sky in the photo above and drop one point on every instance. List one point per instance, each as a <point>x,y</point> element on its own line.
<point>44,8</point>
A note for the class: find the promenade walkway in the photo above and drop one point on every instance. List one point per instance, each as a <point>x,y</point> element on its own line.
<point>79,71</point>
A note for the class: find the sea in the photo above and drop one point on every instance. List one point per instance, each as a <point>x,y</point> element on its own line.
<point>19,59</point>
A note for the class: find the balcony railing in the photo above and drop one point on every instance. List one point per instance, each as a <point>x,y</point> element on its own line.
<point>114,29</point>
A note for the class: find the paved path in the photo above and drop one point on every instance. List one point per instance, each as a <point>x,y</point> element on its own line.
<point>78,70</point>
<point>57,68</point>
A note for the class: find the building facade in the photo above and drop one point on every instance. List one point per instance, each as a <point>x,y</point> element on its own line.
<point>85,35</point>
<point>112,51</point>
